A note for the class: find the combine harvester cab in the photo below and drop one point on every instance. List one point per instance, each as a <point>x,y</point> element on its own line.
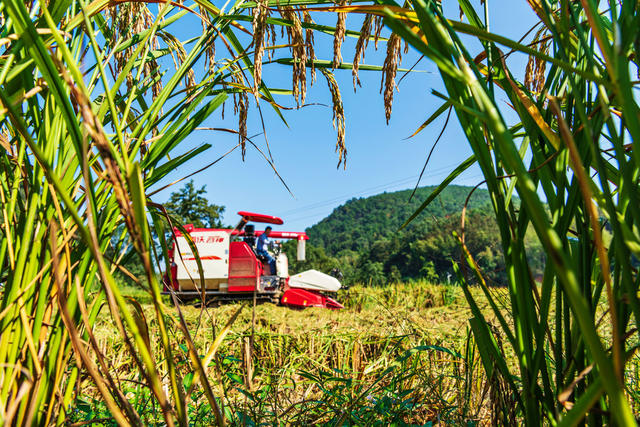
<point>231,269</point>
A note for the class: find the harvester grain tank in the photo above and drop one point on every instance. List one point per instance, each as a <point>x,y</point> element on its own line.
<point>232,270</point>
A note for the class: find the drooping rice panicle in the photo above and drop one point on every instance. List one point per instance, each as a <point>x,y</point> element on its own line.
<point>338,35</point>
<point>240,107</point>
<point>260,15</point>
<point>530,68</point>
<point>178,54</point>
<point>378,25</point>
<point>529,73</point>
<point>540,67</point>
<point>128,19</point>
<point>210,53</point>
<point>361,46</point>
<point>309,42</point>
<point>389,70</point>
<point>298,49</point>
<point>338,116</point>
<point>243,108</point>
<point>271,36</point>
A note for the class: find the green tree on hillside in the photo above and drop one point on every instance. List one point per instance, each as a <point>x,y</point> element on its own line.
<point>189,206</point>
<point>316,258</point>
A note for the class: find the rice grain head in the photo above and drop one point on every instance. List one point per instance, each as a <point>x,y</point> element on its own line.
<point>534,78</point>
<point>210,52</point>
<point>260,15</point>
<point>298,53</point>
<point>128,19</point>
<point>361,46</point>
<point>176,48</point>
<point>270,34</point>
<point>389,70</point>
<point>528,73</point>
<point>540,67</point>
<point>241,108</point>
<point>309,42</point>
<point>338,116</point>
<point>338,35</point>
<point>378,25</point>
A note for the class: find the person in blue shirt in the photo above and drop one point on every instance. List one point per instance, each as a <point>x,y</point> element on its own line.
<point>261,249</point>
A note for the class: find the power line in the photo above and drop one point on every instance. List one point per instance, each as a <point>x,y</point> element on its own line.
<point>342,197</point>
<point>366,191</point>
<point>323,212</point>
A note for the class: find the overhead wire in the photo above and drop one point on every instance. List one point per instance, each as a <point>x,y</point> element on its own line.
<point>391,185</point>
<point>365,191</point>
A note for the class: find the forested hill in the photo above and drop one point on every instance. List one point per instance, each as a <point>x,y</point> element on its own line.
<point>362,240</point>
<point>359,222</point>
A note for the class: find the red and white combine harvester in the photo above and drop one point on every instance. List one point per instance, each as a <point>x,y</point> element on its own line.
<point>231,269</point>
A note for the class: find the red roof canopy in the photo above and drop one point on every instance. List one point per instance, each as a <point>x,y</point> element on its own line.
<point>298,235</point>
<point>256,217</point>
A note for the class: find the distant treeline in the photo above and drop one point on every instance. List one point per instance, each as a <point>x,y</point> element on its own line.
<point>362,239</point>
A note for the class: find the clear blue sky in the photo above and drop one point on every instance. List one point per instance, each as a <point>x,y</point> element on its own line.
<point>379,157</point>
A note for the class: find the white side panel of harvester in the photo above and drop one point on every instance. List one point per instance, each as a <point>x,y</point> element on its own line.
<point>282,265</point>
<point>213,249</point>
<point>315,280</point>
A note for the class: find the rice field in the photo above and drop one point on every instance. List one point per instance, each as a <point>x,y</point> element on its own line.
<point>400,353</point>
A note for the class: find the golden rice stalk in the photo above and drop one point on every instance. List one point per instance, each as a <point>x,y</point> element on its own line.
<point>389,70</point>
<point>534,73</point>
<point>176,48</point>
<point>210,52</point>
<point>338,116</point>
<point>338,35</point>
<point>361,46</point>
<point>309,42</point>
<point>378,25</point>
<point>270,34</point>
<point>128,19</point>
<point>540,67</point>
<point>529,73</point>
<point>260,15</point>
<point>298,52</point>
<point>241,108</point>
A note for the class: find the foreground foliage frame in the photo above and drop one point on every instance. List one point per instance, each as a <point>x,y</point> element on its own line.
<point>574,145</point>
<point>74,195</point>
<point>90,119</point>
